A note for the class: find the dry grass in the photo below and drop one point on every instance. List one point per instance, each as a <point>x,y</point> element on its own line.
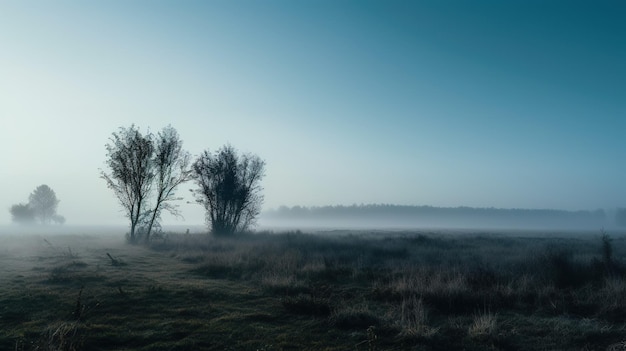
<point>383,291</point>
<point>484,324</point>
<point>413,318</point>
<point>62,336</point>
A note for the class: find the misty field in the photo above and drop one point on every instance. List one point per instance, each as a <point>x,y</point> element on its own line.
<point>327,291</point>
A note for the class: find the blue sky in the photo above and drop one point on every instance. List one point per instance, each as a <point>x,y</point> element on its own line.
<point>516,104</point>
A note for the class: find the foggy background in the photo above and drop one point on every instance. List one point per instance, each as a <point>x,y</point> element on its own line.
<point>508,105</point>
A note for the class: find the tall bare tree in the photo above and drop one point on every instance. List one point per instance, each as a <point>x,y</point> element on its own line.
<point>145,172</point>
<point>129,157</point>
<point>229,189</point>
<point>171,167</point>
<point>43,202</point>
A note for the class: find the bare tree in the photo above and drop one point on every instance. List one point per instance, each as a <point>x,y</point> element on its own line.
<point>171,166</point>
<point>229,189</point>
<point>145,172</point>
<point>129,157</point>
<point>43,202</point>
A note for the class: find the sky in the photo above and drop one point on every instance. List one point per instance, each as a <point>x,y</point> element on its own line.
<point>511,104</point>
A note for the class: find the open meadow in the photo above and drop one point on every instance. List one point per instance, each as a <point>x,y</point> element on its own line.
<point>335,290</point>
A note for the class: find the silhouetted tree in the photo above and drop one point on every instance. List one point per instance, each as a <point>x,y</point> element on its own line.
<point>145,169</point>
<point>129,157</point>
<point>43,201</point>
<point>171,168</point>
<point>229,189</point>
<point>22,214</point>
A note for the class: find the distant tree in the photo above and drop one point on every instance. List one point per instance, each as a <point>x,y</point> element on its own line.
<point>129,157</point>
<point>22,214</point>
<point>43,201</point>
<point>229,189</point>
<point>145,169</point>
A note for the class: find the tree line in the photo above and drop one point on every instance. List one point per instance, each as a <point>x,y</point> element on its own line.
<point>431,215</point>
<point>369,209</point>
<point>146,169</point>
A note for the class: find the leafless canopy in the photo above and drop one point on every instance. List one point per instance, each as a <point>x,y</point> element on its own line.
<point>129,157</point>
<point>171,167</point>
<point>229,189</point>
<point>145,172</point>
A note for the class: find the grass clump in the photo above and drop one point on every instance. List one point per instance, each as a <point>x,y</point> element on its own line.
<point>62,336</point>
<point>358,317</point>
<point>483,325</point>
<point>412,318</point>
<point>304,304</point>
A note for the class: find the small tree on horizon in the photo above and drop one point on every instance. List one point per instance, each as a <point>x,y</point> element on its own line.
<point>42,206</point>
<point>22,214</point>
<point>229,189</point>
<point>43,201</point>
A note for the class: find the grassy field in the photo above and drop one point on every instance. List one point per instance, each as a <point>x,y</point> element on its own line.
<point>329,291</point>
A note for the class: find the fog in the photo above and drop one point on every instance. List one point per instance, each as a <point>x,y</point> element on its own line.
<point>99,230</point>
<point>371,217</point>
<point>428,217</point>
<point>519,106</point>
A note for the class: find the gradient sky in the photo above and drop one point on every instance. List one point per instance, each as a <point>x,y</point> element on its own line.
<point>516,104</point>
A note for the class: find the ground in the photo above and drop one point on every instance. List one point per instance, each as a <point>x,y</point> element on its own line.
<point>412,290</point>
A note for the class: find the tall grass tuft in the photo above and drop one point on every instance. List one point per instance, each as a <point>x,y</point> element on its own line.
<point>483,325</point>
<point>413,318</point>
<point>64,336</point>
